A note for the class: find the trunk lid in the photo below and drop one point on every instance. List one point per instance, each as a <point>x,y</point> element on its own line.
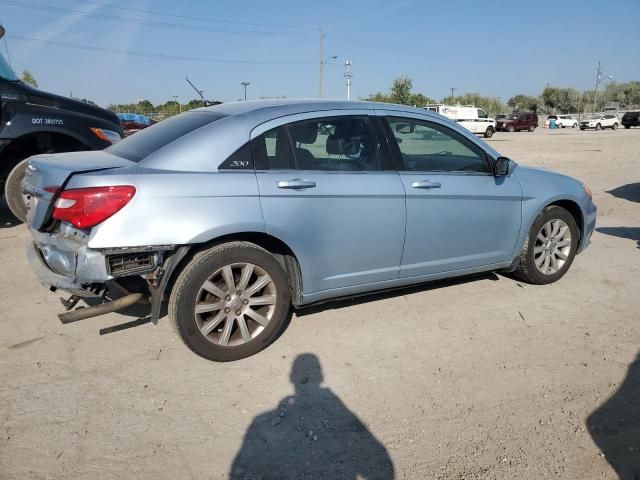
<point>44,172</point>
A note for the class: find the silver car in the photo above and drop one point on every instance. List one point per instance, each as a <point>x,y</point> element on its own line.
<point>234,213</point>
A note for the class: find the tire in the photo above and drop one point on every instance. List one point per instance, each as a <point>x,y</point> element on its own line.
<point>511,129</point>
<point>598,127</point>
<point>575,125</point>
<point>13,191</point>
<point>531,128</point>
<point>206,269</point>
<point>488,133</point>
<point>627,127</point>
<point>615,126</point>
<point>527,269</point>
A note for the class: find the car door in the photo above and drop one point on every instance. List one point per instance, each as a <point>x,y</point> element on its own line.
<point>328,191</point>
<point>459,215</point>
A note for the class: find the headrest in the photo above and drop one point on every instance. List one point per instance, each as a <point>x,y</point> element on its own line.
<point>342,146</point>
<point>304,132</point>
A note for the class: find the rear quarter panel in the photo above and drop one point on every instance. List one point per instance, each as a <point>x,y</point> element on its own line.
<point>179,208</point>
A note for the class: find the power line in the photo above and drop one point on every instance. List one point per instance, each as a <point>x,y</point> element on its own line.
<point>186,17</point>
<point>156,55</point>
<point>151,23</point>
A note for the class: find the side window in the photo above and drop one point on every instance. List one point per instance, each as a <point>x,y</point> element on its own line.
<point>241,159</point>
<point>271,150</point>
<point>482,113</point>
<point>337,143</point>
<point>429,147</point>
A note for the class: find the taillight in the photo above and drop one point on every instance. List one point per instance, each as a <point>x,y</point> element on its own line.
<point>87,207</point>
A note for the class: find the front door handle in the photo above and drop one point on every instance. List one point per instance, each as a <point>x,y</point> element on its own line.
<point>296,184</point>
<point>426,184</point>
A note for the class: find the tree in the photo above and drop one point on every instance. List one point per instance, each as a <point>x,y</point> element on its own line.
<point>561,100</point>
<point>29,79</point>
<point>523,102</point>
<point>401,90</point>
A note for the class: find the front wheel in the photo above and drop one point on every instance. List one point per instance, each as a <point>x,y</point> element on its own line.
<point>550,247</point>
<point>627,127</point>
<point>13,191</point>
<point>488,133</point>
<point>598,127</point>
<point>511,129</point>
<point>230,301</point>
<point>615,126</point>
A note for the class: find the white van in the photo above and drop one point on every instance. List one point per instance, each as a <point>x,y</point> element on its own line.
<point>473,119</point>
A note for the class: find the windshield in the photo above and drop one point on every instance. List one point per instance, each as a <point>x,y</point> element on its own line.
<point>5,70</point>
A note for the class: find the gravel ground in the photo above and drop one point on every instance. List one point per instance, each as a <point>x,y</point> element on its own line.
<point>482,377</point>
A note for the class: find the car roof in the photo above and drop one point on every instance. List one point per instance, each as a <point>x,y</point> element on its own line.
<point>281,107</point>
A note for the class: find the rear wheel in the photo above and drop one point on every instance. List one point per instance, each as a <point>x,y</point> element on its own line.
<point>575,125</point>
<point>531,128</point>
<point>550,247</point>
<point>230,302</point>
<point>13,191</point>
<point>488,133</point>
<point>615,126</point>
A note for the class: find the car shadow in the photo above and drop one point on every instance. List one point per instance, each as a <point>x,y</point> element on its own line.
<point>310,434</point>
<point>396,292</point>
<point>615,426</point>
<point>630,191</point>
<point>631,233</point>
<point>7,220</point>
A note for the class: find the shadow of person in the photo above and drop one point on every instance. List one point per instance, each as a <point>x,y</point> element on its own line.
<point>630,191</point>
<point>311,434</point>
<point>615,426</point>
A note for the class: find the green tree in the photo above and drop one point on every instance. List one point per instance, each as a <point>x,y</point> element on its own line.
<point>561,100</point>
<point>379,97</point>
<point>420,100</point>
<point>401,90</point>
<point>523,102</point>
<point>29,79</point>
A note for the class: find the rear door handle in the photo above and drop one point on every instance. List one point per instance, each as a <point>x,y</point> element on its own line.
<point>426,184</point>
<point>296,184</point>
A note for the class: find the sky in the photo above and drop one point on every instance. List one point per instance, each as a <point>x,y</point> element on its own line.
<point>494,48</point>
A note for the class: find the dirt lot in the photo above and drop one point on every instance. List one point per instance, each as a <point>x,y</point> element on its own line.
<point>479,378</point>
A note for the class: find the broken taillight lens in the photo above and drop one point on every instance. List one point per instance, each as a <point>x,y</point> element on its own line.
<point>87,207</point>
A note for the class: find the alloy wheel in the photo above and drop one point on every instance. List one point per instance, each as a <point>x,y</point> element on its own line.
<point>235,304</point>
<point>552,247</point>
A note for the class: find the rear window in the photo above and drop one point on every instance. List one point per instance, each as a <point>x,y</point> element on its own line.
<point>145,142</point>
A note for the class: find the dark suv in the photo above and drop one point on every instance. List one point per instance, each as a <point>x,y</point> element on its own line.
<point>631,119</point>
<point>517,121</point>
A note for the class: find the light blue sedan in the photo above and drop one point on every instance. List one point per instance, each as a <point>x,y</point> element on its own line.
<point>234,213</point>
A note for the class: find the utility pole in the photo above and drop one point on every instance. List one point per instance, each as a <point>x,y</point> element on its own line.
<point>175,99</point>
<point>321,64</point>
<point>595,93</point>
<point>348,76</point>
<point>245,85</point>
<point>452,89</point>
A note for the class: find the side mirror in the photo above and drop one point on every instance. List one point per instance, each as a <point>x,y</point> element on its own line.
<point>503,166</point>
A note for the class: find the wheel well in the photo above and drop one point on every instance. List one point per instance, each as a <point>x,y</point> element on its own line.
<point>34,144</point>
<point>275,246</point>
<point>574,209</point>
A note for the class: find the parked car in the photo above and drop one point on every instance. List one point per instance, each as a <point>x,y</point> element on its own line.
<point>631,119</point>
<point>562,121</point>
<point>133,122</point>
<point>599,121</point>
<point>518,121</point>
<point>476,120</point>
<point>33,121</point>
<point>236,212</point>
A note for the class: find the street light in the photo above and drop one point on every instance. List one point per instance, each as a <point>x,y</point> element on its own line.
<point>175,99</point>
<point>245,85</point>
<point>322,64</point>
<point>599,76</point>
